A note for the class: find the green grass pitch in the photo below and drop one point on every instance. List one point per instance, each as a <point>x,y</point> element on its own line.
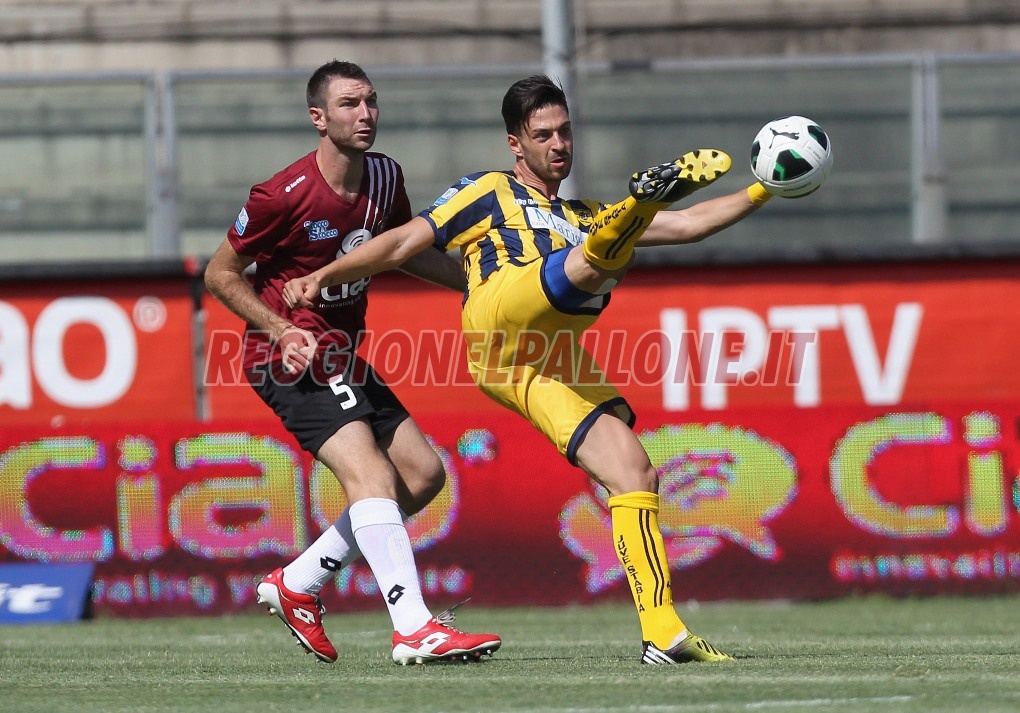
<point>856,654</point>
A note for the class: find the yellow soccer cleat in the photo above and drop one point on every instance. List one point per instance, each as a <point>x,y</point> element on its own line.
<point>669,182</point>
<point>692,648</point>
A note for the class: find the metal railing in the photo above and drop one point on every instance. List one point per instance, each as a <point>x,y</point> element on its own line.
<point>156,165</point>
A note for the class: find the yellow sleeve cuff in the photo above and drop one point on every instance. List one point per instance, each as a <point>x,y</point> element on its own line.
<point>758,194</point>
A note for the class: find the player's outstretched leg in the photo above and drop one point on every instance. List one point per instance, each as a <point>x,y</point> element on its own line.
<point>302,613</point>
<point>610,245</point>
<point>670,182</point>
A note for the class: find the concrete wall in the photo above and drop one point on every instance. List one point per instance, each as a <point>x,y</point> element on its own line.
<point>77,179</point>
<point>103,35</point>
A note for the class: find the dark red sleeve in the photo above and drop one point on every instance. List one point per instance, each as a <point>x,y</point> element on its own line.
<point>260,226</point>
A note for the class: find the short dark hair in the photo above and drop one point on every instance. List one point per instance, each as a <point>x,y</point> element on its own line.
<point>526,96</point>
<point>320,79</point>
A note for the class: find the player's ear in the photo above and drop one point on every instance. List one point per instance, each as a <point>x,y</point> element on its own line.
<point>318,117</point>
<point>515,145</point>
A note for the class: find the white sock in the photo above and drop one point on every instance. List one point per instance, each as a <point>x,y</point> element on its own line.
<point>379,530</point>
<point>335,549</point>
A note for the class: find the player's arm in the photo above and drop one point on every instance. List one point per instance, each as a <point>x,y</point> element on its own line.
<point>438,268</point>
<point>386,251</point>
<point>699,221</point>
<point>224,278</point>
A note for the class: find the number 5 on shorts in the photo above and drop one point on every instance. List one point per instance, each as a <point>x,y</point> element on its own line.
<point>344,391</point>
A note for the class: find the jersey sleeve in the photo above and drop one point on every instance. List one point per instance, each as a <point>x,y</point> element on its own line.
<point>260,226</point>
<point>464,212</point>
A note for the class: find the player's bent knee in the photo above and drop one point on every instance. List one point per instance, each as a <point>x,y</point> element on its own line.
<point>595,277</point>
<point>436,480</point>
<point>631,481</point>
<point>423,485</point>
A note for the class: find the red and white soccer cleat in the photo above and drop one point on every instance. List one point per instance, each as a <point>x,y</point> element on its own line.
<point>302,613</point>
<point>438,641</point>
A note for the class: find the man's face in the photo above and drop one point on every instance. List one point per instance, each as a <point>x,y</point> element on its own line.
<point>546,143</point>
<point>351,115</point>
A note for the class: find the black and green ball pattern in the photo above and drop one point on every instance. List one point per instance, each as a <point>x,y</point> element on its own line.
<point>791,156</point>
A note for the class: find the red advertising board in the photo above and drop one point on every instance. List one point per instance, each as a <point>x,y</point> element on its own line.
<point>761,503</point>
<point>84,351</point>
<point>714,338</point>
<point>818,430</point>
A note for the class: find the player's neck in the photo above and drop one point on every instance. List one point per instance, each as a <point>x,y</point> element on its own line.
<point>549,189</point>
<point>342,170</point>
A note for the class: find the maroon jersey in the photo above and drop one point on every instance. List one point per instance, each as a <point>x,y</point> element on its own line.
<point>294,223</point>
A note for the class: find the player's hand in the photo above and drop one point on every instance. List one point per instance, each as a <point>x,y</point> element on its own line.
<point>297,347</point>
<point>301,291</point>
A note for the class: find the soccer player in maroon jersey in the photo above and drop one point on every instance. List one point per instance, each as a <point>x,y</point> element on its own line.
<point>302,362</point>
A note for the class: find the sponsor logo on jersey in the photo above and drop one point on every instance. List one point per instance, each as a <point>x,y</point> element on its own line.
<point>544,219</point>
<point>465,181</point>
<point>320,230</point>
<point>584,216</point>
<point>242,222</point>
<point>295,184</point>
<point>450,193</point>
<point>525,201</point>
<point>345,294</point>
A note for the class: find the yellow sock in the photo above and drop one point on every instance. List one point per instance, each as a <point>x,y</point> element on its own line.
<point>642,552</point>
<point>758,194</point>
<point>610,244</point>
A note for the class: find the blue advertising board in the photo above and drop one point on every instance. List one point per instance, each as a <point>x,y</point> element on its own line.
<point>44,593</point>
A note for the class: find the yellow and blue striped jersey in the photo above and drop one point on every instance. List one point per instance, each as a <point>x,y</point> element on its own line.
<point>499,222</point>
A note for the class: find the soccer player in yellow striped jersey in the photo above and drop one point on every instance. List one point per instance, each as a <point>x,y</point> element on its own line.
<point>540,267</point>
<point>520,224</point>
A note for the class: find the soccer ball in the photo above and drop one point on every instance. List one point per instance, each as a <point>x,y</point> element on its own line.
<point>791,156</point>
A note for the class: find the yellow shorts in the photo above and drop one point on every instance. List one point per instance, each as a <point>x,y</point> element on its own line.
<point>525,354</point>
